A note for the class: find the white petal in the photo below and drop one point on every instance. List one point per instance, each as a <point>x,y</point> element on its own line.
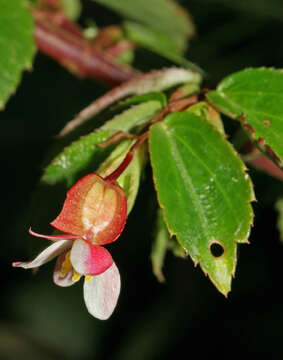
<point>46,255</point>
<point>101,293</point>
<point>88,259</point>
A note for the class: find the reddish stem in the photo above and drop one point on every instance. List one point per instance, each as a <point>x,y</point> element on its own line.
<point>128,158</point>
<point>175,106</point>
<point>77,54</point>
<point>262,163</point>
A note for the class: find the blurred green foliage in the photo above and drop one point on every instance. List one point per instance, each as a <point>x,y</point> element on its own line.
<point>152,320</point>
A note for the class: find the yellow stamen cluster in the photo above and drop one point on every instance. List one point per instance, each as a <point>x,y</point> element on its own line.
<point>67,266</point>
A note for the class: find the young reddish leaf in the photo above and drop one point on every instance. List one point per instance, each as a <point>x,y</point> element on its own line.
<point>94,209</point>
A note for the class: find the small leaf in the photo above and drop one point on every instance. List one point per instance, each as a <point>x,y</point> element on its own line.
<point>165,16</point>
<point>204,192</point>
<point>130,179</point>
<point>185,90</point>
<point>17,45</point>
<point>159,247</point>
<point>257,94</point>
<point>72,8</point>
<point>85,152</point>
<point>279,208</point>
<point>161,244</point>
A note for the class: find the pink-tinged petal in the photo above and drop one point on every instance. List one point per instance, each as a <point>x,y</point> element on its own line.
<point>94,209</point>
<point>101,293</point>
<point>88,259</point>
<point>53,237</point>
<point>64,274</point>
<point>46,255</point>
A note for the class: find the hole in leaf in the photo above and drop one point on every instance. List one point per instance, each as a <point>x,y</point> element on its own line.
<point>216,249</point>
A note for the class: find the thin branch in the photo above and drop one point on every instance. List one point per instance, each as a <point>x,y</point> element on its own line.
<point>128,158</point>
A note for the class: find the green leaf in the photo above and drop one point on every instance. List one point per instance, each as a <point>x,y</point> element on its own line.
<point>203,190</point>
<point>161,244</point>
<point>75,158</point>
<point>158,42</point>
<point>279,208</point>
<point>155,81</point>
<point>176,248</point>
<point>185,90</point>
<point>258,95</point>
<point>134,116</point>
<point>159,247</point>
<point>17,45</point>
<point>85,152</point>
<point>152,39</point>
<point>166,16</point>
<point>72,8</point>
<point>134,100</point>
<point>130,178</point>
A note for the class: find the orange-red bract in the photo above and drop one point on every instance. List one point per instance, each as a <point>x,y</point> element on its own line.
<point>95,210</point>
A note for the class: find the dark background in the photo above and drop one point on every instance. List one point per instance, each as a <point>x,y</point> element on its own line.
<point>152,321</point>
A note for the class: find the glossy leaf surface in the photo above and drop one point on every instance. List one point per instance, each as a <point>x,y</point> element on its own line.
<point>258,95</point>
<point>203,190</point>
<point>16,45</point>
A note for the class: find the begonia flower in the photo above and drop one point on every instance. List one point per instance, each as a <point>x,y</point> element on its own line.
<point>94,214</point>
